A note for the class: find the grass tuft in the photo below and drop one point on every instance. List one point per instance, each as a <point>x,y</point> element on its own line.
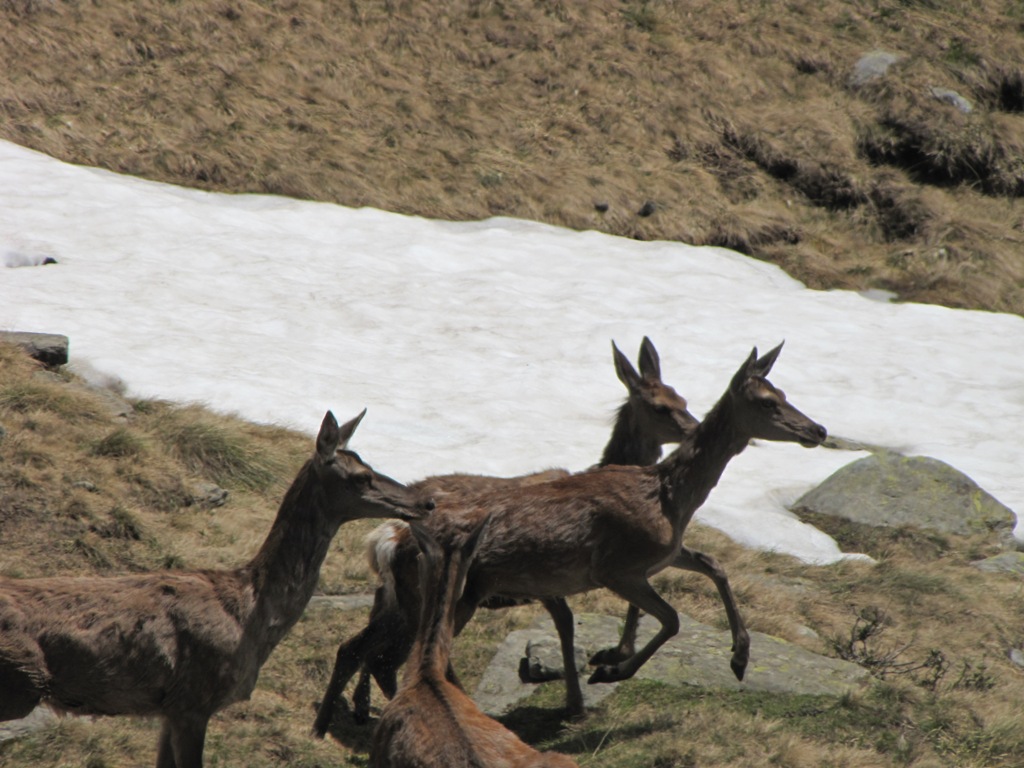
<point>217,451</point>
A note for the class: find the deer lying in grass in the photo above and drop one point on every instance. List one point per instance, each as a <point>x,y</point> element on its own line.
<point>432,723</point>
<point>652,415</point>
<point>613,527</point>
<point>182,645</point>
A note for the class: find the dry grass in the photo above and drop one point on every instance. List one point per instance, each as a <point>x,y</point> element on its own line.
<point>736,122</point>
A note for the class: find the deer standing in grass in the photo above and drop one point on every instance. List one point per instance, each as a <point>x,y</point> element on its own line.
<point>182,645</point>
<point>652,415</point>
<point>431,722</point>
<point>614,527</point>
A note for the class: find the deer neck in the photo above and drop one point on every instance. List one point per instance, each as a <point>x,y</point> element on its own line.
<point>629,445</point>
<point>286,570</point>
<point>692,471</point>
<point>432,650</point>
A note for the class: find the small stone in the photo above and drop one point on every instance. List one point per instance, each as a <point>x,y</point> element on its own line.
<point>601,207</point>
<point>208,495</point>
<point>647,209</point>
<point>1017,656</point>
<point>872,66</point>
<point>954,99</point>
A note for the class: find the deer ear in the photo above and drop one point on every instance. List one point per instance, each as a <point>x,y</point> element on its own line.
<point>764,364</point>
<point>624,370</point>
<point>469,549</point>
<point>650,363</point>
<point>348,429</point>
<point>327,439</point>
<point>745,371</point>
<point>473,540</point>
<point>425,540</point>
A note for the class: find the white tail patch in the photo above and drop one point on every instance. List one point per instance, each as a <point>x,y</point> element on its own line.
<point>381,546</point>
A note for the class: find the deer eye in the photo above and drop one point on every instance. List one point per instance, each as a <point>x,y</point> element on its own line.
<point>768,405</point>
<point>662,409</point>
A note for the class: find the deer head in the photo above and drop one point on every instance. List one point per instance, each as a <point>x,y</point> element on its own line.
<point>354,489</point>
<point>661,408</point>
<point>762,407</point>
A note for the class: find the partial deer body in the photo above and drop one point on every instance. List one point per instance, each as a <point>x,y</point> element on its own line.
<point>652,415</point>
<point>183,645</point>
<point>431,722</point>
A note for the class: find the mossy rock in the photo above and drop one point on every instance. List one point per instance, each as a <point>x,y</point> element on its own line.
<point>697,656</point>
<point>888,489</point>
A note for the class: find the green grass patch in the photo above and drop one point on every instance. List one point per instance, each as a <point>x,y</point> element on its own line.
<point>120,443</point>
<point>221,454</point>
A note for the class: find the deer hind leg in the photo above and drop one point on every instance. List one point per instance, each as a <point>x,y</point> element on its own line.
<point>561,614</point>
<point>383,667</point>
<point>627,643</point>
<point>373,640</point>
<point>635,589</point>
<point>698,562</point>
<point>361,698</point>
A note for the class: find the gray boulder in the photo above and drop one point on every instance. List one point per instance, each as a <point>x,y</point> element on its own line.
<point>698,656</point>
<point>1006,562</point>
<point>37,720</point>
<point>888,489</point>
<point>51,349</point>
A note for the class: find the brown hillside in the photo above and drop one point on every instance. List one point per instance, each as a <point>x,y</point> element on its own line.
<point>728,123</point>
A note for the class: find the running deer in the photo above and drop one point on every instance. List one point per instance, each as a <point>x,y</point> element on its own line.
<point>614,527</point>
<point>652,415</point>
<point>431,722</point>
<point>182,645</point>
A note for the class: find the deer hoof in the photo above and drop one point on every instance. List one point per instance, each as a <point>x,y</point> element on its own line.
<point>575,712</point>
<point>319,729</point>
<point>607,656</point>
<point>739,667</point>
<point>607,673</point>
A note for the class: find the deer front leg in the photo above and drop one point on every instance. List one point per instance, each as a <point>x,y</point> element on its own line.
<point>698,562</point>
<point>181,742</point>
<point>637,591</point>
<point>164,750</point>
<point>627,643</point>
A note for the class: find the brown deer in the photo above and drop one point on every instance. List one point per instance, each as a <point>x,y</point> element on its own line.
<point>431,722</point>
<point>614,527</point>
<point>182,645</point>
<point>652,415</point>
<point>617,526</point>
